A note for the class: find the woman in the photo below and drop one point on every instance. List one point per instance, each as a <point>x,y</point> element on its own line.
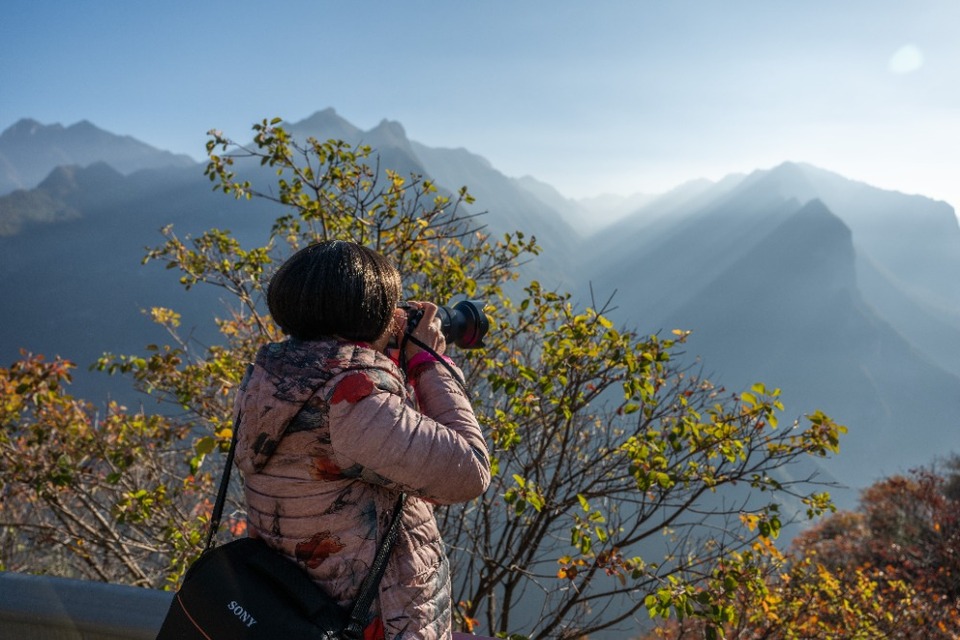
<point>328,437</point>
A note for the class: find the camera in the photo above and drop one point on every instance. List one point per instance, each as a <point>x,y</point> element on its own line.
<point>464,324</point>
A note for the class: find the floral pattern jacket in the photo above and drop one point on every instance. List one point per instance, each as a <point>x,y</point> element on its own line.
<point>328,437</point>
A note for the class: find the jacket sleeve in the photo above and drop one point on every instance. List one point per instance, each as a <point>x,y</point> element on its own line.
<point>437,453</point>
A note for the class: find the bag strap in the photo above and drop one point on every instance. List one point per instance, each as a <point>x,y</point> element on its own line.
<point>368,590</point>
<point>224,485</point>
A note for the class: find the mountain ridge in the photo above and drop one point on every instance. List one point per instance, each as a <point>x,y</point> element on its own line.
<point>29,150</point>
<point>836,352</point>
<point>793,275</point>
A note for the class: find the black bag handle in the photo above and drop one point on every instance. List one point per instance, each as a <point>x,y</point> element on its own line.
<point>361,606</point>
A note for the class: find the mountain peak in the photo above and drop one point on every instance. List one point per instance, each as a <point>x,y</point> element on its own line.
<point>83,126</point>
<point>324,125</point>
<point>27,127</point>
<point>815,244</point>
<point>64,180</point>
<point>816,217</point>
<point>784,181</point>
<point>390,131</point>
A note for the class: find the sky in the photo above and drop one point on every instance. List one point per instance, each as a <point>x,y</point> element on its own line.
<point>606,96</point>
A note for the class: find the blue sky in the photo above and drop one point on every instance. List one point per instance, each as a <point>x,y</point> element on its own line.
<point>609,96</point>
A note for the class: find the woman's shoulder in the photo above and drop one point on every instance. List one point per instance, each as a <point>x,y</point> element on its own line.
<point>311,358</point>
<point>328,355</point>
<point>360,362</point>
<point>306,366</point>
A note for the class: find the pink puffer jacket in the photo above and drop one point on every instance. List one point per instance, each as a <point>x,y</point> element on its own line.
<point>327,440</point>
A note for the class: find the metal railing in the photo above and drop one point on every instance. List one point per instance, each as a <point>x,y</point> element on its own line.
<point>35,607</point>
<point>49,608</point>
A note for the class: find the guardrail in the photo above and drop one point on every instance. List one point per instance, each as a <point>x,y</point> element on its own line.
<point>49,608</point>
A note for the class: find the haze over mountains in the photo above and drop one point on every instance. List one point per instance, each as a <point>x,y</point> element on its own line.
<point>844,295</point>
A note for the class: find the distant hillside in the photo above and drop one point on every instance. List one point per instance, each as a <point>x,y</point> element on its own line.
<point>839,300</point>
<point>76,288</point>
<point>509,208</point>
<point>842,294</point>
<point>29,151</point>
<point>789,312</point>
<point>70,249</point>
<point>573,213</point>
<point>60,197</point>
<point>506,206</point>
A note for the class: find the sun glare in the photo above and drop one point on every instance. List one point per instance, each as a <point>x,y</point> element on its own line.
<point>906,59</point>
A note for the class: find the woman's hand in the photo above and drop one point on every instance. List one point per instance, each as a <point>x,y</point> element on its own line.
<point>427,330</point>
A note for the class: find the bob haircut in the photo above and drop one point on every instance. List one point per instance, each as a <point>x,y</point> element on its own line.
<point>334,289</point>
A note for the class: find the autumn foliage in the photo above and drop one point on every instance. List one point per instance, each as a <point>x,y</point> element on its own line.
<point>888,570</point>
<point>95,493</point>
<point>904,539</point>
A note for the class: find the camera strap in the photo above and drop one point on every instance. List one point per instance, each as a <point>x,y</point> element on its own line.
<point>403,359</point>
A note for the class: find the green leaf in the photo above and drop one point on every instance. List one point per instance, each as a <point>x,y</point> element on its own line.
<point>583,503</point>
<point>205,445</point>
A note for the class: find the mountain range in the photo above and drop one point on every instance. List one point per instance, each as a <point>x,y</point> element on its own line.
<point>844,295</point>
<point>29,150</point>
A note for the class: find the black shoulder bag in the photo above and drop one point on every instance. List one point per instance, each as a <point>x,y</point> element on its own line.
<point>244,590</point>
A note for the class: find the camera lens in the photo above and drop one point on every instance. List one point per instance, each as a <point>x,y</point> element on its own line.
<point>465,324</point>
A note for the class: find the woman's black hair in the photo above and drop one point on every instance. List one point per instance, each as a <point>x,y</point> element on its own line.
<point>334,288</point>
